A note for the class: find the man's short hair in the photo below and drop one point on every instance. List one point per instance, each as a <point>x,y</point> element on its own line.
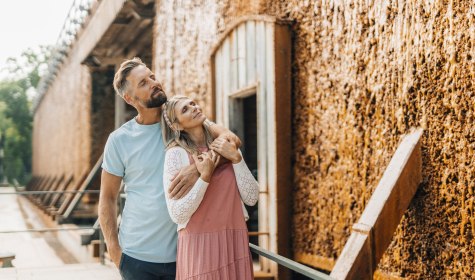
<point>120,78</point>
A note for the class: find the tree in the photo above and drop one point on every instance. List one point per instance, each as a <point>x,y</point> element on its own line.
<point>15,116</point>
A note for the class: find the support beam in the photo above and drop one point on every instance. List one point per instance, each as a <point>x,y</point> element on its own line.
<point>77,197</point>
<point>120,106</point>
<point>374,231</point>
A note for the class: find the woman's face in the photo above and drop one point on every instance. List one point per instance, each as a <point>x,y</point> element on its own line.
<point>188,114</point>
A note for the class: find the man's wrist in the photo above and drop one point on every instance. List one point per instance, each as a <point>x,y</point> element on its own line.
<point>205,178</point>
<point>195,171</point>
<point>113,246</point>
<point>237,159</point>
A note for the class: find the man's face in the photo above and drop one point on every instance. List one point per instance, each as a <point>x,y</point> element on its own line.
<point>144,90</point>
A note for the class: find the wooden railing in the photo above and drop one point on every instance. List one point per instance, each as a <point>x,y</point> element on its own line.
<point>372,234</point>
<point>374,231</point>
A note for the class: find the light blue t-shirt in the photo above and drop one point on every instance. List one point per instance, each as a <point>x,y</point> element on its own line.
<point>137,153</point>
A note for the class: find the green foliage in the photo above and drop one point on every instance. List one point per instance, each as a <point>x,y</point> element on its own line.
<point>15,116</point>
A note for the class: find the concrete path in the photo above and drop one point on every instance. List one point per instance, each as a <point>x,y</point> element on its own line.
<point>62,272</point>
<point>35,257</point>
<point>30,250</point>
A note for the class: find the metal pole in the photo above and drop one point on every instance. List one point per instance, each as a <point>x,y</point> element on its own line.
<point>293,265</point>
<point>47,192</point>
<point>44,230</point>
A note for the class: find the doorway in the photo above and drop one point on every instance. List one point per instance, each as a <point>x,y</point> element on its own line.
<point>243,122</point>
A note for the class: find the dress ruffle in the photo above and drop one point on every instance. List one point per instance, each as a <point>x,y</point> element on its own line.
<point>220,255</point>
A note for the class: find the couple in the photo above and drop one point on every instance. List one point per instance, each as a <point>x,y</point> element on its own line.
<point>193,176</point>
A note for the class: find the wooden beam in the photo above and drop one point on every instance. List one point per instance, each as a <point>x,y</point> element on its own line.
<point>245,91</point>
<point>374,231</point>
<point>57,196</point>
<point>64,203</point>
<point>77,197</point>
<point>45,197</point>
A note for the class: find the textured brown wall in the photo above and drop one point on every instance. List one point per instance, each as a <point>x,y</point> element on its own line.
<point>67,135</point>
<point>185,32</point>
<point>62,125</point>
<point>364,73</point>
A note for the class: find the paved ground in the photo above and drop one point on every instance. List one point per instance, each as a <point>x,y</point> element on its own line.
<point>62,272</point>
<point>36,256</point>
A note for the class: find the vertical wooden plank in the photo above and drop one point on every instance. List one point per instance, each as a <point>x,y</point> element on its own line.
<point>119,107</point>
<point>263,210</point>
<point>233,61</point>
<point>282,122</point>
<point>261,105</point>
<point>271,136</point>
<point>241,56</point>
<point>226,73</point>
<point>250,52</point>
<point>218,91</point>
<point>119,111</point>
<point>263,226</point>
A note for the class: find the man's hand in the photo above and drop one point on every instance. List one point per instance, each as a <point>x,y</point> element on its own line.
<point>227,149</point>
<point>115,253</point>
<point>219,131</point>
<point>231,137</point>
<point>183,182</point>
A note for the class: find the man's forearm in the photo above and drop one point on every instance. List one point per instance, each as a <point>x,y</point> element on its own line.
<point>220,131</point>
<point>108,221</point>
<point>183,182</point>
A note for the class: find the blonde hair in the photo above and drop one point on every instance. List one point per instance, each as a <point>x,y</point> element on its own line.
<point>174,137</point>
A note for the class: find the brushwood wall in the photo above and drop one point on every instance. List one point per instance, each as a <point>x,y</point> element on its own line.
<point>364,72</point>
<point>62,125</point>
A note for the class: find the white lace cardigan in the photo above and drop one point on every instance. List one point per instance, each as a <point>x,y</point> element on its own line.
<point>182,209</point>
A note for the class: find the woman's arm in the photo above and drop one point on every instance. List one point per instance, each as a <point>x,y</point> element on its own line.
<point>182,209</point>
<point>247,184</point>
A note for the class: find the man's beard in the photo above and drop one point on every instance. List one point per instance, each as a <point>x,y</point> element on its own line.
<point>155,102</point>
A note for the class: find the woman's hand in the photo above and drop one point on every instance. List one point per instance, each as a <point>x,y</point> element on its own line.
<point>226,149</point>
<point>206,163</point>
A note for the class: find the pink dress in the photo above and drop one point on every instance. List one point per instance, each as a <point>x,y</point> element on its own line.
<point>215,243</point>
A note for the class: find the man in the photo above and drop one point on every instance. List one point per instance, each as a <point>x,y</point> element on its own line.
<point>134,153</point>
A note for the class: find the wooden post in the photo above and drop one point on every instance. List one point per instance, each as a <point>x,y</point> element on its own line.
<point>374,231</point>
<point>119,107</point>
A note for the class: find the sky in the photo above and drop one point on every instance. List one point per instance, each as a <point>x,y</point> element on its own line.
<point>29,23</point>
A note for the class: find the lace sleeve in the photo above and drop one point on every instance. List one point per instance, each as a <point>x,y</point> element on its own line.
<point>182,209</point>
<point>247,184</point>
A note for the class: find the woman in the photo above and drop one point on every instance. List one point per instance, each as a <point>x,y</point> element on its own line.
<point>212,233</point>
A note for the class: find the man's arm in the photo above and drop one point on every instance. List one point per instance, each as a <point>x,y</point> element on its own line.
<point>183,182</point>
<point>220,131</point>
<point>110,187</point>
